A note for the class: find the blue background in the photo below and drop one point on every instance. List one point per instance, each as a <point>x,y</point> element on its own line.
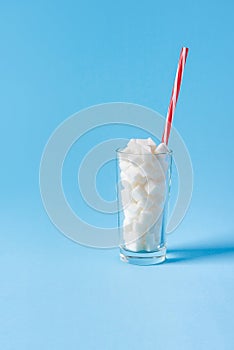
<point>58,57</point>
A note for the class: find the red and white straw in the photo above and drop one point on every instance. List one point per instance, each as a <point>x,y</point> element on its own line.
<point>175,94</point>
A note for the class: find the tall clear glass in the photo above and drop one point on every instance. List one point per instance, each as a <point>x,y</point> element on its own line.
<point>143,190</point>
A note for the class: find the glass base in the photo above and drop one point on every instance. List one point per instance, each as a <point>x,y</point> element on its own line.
<point>143,257</point>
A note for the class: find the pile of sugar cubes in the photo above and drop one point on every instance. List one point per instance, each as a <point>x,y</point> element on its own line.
<point>143,169</point>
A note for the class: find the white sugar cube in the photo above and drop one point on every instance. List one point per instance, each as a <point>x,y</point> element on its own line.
<point>126,184</point>
<point>146,202</point>
<point>134,175</point>
<point>156,212</point>
<point>125,197</point>
<point>151,187</point>
<point>162,148</point>
<point>138,228</point>
<point>124,164</point>
<point>127,221</point>
<point>138,193</point>
<point>132,209</point>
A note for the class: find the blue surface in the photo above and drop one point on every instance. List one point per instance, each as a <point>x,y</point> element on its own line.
<point>57,58</point>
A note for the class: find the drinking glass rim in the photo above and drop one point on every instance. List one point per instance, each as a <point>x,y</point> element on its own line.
<point>121,150</point>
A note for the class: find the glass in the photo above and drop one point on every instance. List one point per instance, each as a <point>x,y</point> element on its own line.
<point>143,185</point>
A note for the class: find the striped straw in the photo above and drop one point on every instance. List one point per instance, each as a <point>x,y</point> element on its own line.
<point>175,94</point>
